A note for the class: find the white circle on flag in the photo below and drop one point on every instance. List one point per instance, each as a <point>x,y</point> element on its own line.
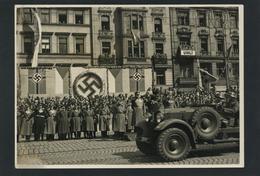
<point>37,77</point>
<point>137,76</point>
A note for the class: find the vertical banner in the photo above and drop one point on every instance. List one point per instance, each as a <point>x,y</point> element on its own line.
<point>37,37</point>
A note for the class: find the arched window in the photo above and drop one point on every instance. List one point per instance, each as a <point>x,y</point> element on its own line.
<point>158,25</point>
<point>105,25</point>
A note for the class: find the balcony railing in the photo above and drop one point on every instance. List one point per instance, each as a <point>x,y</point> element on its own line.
<point>136,59</point>
<point>105,34</point>
<point>106,60</point>
<point>158,36</point>
<point>160,58</point>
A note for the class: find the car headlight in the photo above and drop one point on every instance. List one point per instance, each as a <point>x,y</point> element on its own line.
<point>159,117</point>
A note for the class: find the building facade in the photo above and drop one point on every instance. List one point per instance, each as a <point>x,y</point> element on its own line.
<point>107,50</point>
<point>203,35</point>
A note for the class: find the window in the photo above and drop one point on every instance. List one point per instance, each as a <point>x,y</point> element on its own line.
<point>63,17</point>
<point>218,19</point>
<point>63,47</point>
<point>105,25</point>
<point>37,88</point>
<point>45,16</point>
<point>183,17</point>
<point>235,43</point>
<point>220,46</point>
<point>46,45</point>
<point>79,45</point>
<point>207,67</point>
<point>28,44</point>
<point>158,25</point>
<point>221,71</point>
<point>204,45</point>
<point>78,17</point>
<point>159,48</point>
<point>106,48</point>
<point>136,50</point>
<point>202,18</point>
<point>160,77</point>
<point>27,15</point>
<point>141,23</point>
<point>186,70</point>
<point>185,42</point>
<point>233,20</point>
<point>134,22</point>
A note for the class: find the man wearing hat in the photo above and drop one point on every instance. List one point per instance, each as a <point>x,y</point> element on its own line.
<point>232,108</point>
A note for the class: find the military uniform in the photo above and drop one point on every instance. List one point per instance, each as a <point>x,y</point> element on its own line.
<point>27,124</point>
<point>40,117</point>
<point>50,127</point>
<point>63,124</point>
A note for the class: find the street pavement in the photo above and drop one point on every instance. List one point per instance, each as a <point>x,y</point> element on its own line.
<point>111,151</point>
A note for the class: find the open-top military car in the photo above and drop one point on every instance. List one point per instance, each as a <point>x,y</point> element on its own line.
<point>172,133</point>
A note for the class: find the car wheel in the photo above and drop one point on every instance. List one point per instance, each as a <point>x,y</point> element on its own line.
<point>146,148</point>
<point>173,144</point>
<point>206,123</point>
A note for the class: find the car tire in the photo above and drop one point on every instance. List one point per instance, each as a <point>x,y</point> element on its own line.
<point>206,122</point>
<point>173,144</point>
<point>146,148</point>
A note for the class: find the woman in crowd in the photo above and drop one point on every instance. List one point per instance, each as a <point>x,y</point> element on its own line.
<point>104,119</point>
<point>50,127</point>
<point>77,122</point>
<point>27,123</point>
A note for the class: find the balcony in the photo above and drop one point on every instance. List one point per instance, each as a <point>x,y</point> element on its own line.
<point>160,58</point>
<point>186,50</point>
<point>105,34</point>
<point>136,59</point>
<point>158,36</point>
<point>106,59</point>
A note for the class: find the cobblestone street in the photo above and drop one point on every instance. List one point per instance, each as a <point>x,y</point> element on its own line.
<point>110,151</point>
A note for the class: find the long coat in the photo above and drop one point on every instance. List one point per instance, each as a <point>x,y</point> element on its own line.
<point>62,122</point>
<point>71,121</point>
<point>39,122</point>
<point>50,126</point>
<point>19,121</point>
<point>121,118</point>
<point>76,120</point>
<point>138,113</point>
<point>88,120</point>
<point>129,116</point>
<point>27,123</point>
<point>104,119</point>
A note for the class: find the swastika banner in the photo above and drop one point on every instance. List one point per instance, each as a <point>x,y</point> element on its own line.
<point>88,82</point>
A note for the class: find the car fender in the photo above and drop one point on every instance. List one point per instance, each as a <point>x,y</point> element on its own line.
<point>179,124</point>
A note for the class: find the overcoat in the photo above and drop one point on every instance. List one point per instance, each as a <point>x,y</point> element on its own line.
<point>76,120</point>
<point>27,123</point>
<point>19,121</point>
<point>88,120</point>
<point>138,113</point>
<point>39,122</point>
<point>121,118</point>
<point>50,127</point>
<point>129,116</point>
<point>104,119</point>
<point>62,122</point>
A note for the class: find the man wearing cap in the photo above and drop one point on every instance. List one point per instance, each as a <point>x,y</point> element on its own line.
<point>232,105</point>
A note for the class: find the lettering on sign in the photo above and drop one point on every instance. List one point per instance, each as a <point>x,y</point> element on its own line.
<point>187,52</point>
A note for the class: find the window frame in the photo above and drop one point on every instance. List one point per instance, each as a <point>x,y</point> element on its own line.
<point>76,13</point>
<point>158,27</point>
<point>63,12</point>
<point>31,43</point>
<point>162,78</point>
<point>202,39</point>
<point>183,17</point>
<point>202,15</point>
<point>106,47</point>
<point>44,44</point>
<point>44,12</point>
<point>107,26</point>
<point>63,37</point>
<point>82,43</point>
<point>156,48</point>
<point>219,24</point>
<point>139,47</point>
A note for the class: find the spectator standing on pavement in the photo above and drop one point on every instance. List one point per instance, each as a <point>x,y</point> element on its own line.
<point>88,116</point>
<point>129,117</point>
<point>63,123</point>
<point>104,119</point>
<point>50,127</point>
<point>27,123</point>
<point>138,107</point>
<point>40,117</point>
<point>121,119</point>
<point>71,122</point>
<point>76,122</point>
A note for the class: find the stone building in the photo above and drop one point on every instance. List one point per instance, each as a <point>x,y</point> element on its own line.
<point>204,35</point>
<point>65,43</point>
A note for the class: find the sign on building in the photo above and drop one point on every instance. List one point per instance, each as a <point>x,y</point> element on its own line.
<point>188,52</point>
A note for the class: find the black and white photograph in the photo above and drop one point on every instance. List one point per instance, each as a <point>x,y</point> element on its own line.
<point>129,86</point>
